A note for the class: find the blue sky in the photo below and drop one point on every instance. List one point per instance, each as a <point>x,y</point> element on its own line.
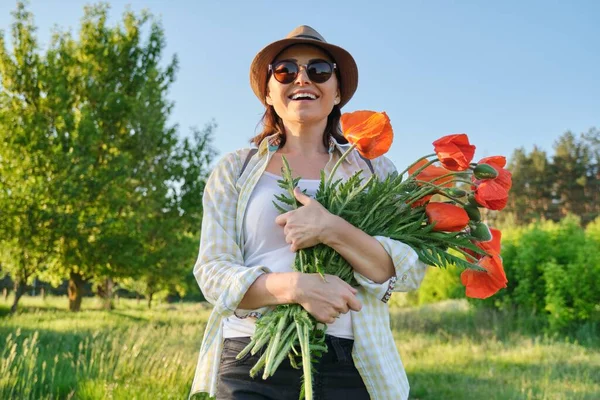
<point>509,74</point>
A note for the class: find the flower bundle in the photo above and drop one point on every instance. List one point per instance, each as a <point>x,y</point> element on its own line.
<point>400,207</point>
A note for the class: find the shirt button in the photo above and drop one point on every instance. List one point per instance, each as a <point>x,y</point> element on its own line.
<point>404,277</point>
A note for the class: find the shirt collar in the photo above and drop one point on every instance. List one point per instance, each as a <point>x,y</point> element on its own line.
<point>271,144</point>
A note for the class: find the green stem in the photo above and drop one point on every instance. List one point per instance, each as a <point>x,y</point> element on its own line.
<point>259,364</point>
<point>288,339</point>
<point>306,363</point>
<point>441,191</point>
<point>421,168</point>
<point>338,163</point>
<point>447,175</point>
<point>465,254</point>
<point>274,345</point>
<point>422,192</point>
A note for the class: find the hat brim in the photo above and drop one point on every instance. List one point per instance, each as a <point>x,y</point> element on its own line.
<point>347,69</point>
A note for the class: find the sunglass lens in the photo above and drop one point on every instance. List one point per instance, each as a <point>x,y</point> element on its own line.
<point>285,71</point>
<point>319,71</point>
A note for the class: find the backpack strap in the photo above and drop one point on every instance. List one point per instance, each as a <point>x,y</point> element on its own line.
<point>254,150</point>
<point>369,163</point>
<point>248,157</point>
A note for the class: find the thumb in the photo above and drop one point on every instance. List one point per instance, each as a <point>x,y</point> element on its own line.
<point>301,197</point>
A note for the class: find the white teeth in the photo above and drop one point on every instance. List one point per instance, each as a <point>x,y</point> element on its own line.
<point>297,96</point>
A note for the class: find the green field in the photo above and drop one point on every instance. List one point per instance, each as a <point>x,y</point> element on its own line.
<point>449,351</point>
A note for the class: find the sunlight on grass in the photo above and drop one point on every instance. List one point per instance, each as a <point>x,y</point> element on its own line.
<point>449,350</point>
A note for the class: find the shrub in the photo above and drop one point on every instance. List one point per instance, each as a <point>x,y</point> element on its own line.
<point>441,284</point>
<point>552,270</point>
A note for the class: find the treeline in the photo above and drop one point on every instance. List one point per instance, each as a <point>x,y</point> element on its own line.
<point>549,187</point>
<point>95,183</point>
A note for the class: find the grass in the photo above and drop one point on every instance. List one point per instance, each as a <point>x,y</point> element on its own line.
<point>449,350</point>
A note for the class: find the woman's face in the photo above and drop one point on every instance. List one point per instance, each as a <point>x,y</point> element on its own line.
<point>279,95</point>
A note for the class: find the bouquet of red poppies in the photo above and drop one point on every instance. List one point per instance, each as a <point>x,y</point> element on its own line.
<point>401,207</point>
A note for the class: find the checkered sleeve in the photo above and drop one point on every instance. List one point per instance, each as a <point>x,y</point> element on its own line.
<point>219,269</point>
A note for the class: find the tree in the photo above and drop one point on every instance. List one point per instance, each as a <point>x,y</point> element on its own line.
<point>569,169</point>
<point>24,195</point>
<point>94,163</point>
<point>530,196</point>
<point>567,183</point>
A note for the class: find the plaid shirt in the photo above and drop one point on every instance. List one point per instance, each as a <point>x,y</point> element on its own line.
<point>224,278</point>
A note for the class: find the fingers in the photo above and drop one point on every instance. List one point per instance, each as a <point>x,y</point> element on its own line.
<point>326,301</point>
<point>354,303</point>
<point>301,197</point>
<point>281,219</point>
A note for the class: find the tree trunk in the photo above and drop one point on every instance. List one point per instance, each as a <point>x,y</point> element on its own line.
<point>19,290</point>
<point>75,291</point>
<point>137,298</point>
<point>172,297</point>
<point>150,300</point>
<point>107,294</point>
<point>43,293</point>
<point>5,293</point>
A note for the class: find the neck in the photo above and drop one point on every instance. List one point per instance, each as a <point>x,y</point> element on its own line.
<point>304,139</point>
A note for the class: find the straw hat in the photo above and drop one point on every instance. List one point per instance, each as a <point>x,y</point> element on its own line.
<point>348,71</point>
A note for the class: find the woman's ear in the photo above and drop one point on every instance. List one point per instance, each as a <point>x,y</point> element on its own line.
<point>268,100</point>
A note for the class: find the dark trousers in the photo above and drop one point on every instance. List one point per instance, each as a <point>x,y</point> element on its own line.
<point>334,376</point>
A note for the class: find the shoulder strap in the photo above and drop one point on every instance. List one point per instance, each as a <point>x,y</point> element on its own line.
<point>369,163</point>
<point>248,157</point>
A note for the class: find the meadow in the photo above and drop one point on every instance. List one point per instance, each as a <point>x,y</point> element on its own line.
<point>449,349</point>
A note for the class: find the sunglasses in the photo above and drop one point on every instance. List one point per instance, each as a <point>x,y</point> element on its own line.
<point>318,71</point>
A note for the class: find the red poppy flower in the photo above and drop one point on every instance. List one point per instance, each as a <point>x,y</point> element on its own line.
<point>491,195</point>
<point>492,247</point>
<point>504,177</point>
<point>370,131</point>
<point>431,173</point>
<point>446,217</point>
<point>454,151</point>
<point>480,284</point>
<point>422,201</point>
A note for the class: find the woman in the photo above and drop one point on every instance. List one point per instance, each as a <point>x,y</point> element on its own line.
<point>247,249</point>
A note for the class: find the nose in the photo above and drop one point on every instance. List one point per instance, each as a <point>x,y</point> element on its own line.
<point>302,77</point>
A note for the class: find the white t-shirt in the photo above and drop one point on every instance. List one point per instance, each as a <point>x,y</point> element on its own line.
<point>265,245</point>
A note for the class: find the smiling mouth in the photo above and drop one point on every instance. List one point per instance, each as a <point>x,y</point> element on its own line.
<point>303,97</point>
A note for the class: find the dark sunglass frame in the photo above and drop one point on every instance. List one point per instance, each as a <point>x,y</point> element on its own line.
<point>311,75</point>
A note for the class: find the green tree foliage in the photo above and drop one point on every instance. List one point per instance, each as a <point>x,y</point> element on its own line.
<point>549,188</point>
<point>95,182</point>
<point>25,240</point>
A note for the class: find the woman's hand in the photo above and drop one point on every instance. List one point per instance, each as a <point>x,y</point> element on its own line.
<point>305,226</point>
<point>324,300</point>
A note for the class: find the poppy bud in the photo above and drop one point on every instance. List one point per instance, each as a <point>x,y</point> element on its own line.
<point>473,212</point>
<point>485,171</point>
<point>471,199</point>
<point>454,192</point>
<point>410,185</point>
<point>480,231</point>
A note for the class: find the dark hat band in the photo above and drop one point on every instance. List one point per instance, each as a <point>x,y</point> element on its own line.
<point>308,37</point>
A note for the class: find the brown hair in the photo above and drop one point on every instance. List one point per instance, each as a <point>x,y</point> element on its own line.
<point>272,124</point>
